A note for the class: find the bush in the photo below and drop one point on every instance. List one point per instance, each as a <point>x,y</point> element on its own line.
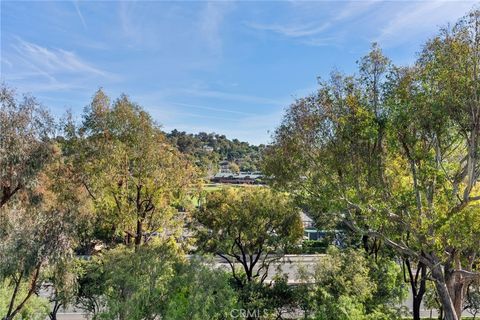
<point>36,308</point>
<point>347,284</point>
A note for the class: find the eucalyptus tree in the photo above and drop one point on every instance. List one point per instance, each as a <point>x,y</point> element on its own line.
<point>136,284</point>
<point>61,281</point>
<point>473,299</point>
<point>36,308</point>
<point>135,178</point>
<point>38,205</point>
<point>37,231</point>
<point>402,171</point>
<point>26,129</point>
<point>249,226</point>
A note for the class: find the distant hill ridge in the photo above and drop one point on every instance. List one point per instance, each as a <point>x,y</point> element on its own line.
<point>209,149</point>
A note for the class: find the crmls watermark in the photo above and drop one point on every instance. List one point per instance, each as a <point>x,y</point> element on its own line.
<point>246,313</point>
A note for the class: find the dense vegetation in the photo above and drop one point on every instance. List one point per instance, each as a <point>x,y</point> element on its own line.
<point>98,213</point>
<point>395,150</point>
<point>209,149</point>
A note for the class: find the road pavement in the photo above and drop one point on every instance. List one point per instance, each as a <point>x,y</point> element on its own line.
<point>289,264</point>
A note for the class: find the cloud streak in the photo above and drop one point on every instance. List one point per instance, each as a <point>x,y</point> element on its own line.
<point>211,19</point>
<point>53,61</point>
<point>37,68</point>
<point>169,111</point>
<point>294,31</point>
<point>232,96</point>
<point>423,16</point>
<point>309,30</point>
<point>80,15</point>
<point>223,110</point>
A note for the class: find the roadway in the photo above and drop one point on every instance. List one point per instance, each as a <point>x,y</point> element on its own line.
<point>289,264</point>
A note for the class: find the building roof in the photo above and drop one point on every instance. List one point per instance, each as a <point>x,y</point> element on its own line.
<point>241,175</point>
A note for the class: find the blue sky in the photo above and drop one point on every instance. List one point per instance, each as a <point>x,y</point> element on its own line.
<point>225,67</point>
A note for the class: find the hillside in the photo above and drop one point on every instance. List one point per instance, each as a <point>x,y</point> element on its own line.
<point>210,149</point>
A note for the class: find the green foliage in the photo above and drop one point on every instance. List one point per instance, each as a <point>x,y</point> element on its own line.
<point>199,292</point>
<point>136,283</point>
<point>314,246</point>
<point>209,148</point>
<point>91,285</point>
<point>392,154</point>
<point>431,298</point>
<point>234,167</point>
<point>154,281</point>
<point>282,298</point>
<point>348,285</point>
<point>39,230</point>
<point>473,299</point>
<point>391,291</point>
<point>36,308</point>
<point>135,178</point>
<point>62,279</point>
<point>248,225</point>
<point>25,142</point>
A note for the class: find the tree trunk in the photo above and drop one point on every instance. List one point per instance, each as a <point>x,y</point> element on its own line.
<point>53,314</point>
<point>458,298</point>
<point>457,285</point>
<point>417,302</point>
<point>418,286</point>
<point>443,294</point>
<point>14,295</point>
<point>139,233</point>
<point>447,304</point>
<point>12,313</point>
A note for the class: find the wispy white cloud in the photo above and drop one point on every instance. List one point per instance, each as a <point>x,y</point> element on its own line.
<point>293,31</point>
<point>130,29</point>
<point>320,42</point>
<point>310,30</point>
<point>168,95</point>
<point>170,112</point>
<point>419,17</point>
<point>354,8</point>
<point>221,110</point>
<point>174,28</point>
<point>37,68</point>
<point>52,61</point>
<point>232,96</point>
<point>80,15</point>
<point>252,125</point>
<point>210,22</point>
<point>6,62</point>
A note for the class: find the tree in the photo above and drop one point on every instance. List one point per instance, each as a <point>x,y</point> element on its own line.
<point>38,231</point>
<point>25,142</point>
<point>91,286</point>
<point>396,164</point>
<point>61,282</point>
<point>431,300</point>
<point>346,285</point>
<point>473,299</point>
<point>416,276</point>
<point>135,178</point>
<point>35,308</point>
<point>200,291</point>
<point>136,282</point>
<point>208,149</point>
<point>249,226</point>
<point>281,298</point>
<point>234,167</point>
<point>153,282</point>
